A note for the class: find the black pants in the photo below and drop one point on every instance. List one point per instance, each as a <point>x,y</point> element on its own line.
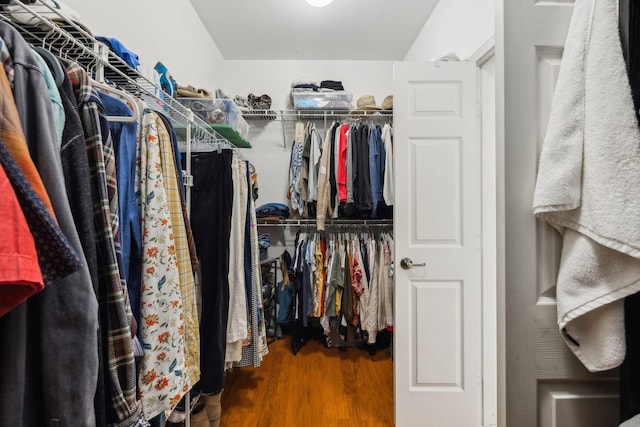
<point>211,204</point>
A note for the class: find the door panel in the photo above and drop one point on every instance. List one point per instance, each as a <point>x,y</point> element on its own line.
<point>545,383</point>
<point>437,220</point>
<point>567,404</point>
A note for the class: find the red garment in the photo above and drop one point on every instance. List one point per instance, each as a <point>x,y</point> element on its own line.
<point>13,138</point>
<point>20,276</point>
<point>341,178</point>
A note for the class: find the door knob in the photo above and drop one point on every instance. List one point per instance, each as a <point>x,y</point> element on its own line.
<point>406,263</point>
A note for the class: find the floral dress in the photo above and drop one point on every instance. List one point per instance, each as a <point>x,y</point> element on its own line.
<point>162,381</point>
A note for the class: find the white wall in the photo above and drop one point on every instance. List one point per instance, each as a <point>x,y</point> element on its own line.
<point>460,26</point>
<point>168,31</point>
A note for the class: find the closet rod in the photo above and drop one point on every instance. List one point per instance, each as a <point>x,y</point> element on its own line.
<point>316,114</point>
<point>332,222</point>
<point>325,116</point>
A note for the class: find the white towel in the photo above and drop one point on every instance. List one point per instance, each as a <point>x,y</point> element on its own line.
<point>633,422</point>
<point>588,186</point>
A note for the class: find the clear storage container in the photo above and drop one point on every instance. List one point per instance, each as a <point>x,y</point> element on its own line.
<point>338,100</point>
<point>219,112</point>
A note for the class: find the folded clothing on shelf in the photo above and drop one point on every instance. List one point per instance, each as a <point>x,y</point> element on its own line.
<point>303,81</point>
<point>262,102</point>
<point>273,210</point>
<point>117,47</point>
<point>331,84</point>
<point>258,106</point>
<point>192,92</point>
<point>302,85</point>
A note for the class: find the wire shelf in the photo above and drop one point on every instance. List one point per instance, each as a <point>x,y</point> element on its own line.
<point>385,115</point>
<point>69,40</point>
<point>343,224</point>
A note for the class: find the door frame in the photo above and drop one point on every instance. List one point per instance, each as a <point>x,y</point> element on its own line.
<point>492,233</point>
<point>491,247</point>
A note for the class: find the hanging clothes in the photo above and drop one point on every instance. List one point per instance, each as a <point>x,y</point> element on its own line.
<point>185,271</point>
<point>237,313</point>
<point>388,188</point>
<point>324,187</point>
<point>295,169</point>
<point>344,275</point>
<point>256,348</point>
<point>124,137</point>
<point>212,203</point>
<point>376,168</point>
<point>163,368</point>
<point>357,181</point>
<point>315,155</point>
<point>20,275</point>
<point>64,315</point>
<point>114,296</point>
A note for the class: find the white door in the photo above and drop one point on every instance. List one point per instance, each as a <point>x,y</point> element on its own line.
<point>437,220</point>
<point>545,383</point>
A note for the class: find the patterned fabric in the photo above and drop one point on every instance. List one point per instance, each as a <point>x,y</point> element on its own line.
<point>369,298</point>
<point>7,62</point>
<point>318,280</point>
<point>187,284</point>
<point>113,295</point>
<point>295,167</point>
<point>162,380</point>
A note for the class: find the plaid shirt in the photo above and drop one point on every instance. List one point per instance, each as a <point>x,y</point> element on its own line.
<point>195,262</point>
<point>113,294</point>
<point>187,285</point>
<point>7,62</point>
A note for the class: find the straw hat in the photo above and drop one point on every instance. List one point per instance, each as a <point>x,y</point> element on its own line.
<point>387,104</point>
<point>367,102</point>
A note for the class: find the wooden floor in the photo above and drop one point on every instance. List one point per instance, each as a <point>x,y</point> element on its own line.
<point>318,387</point>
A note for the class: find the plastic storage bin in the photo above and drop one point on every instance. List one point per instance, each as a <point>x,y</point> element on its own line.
<point>219,112</point>
<point>338,100</point>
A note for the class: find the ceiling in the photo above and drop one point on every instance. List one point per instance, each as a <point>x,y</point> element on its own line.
<point>292,29</point>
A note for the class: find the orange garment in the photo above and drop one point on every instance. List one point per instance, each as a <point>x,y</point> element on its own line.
<point>13,138</point>
<point>20,275</point>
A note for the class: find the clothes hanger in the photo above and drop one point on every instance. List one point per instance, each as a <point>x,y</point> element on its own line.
<point>130,101</point>
<point>201,146</point>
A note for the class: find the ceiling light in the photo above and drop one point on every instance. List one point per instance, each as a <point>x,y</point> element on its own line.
<point>319,3</point>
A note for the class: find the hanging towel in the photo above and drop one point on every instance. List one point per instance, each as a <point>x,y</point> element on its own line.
<point>632,422</point>
<point>588,186</point>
